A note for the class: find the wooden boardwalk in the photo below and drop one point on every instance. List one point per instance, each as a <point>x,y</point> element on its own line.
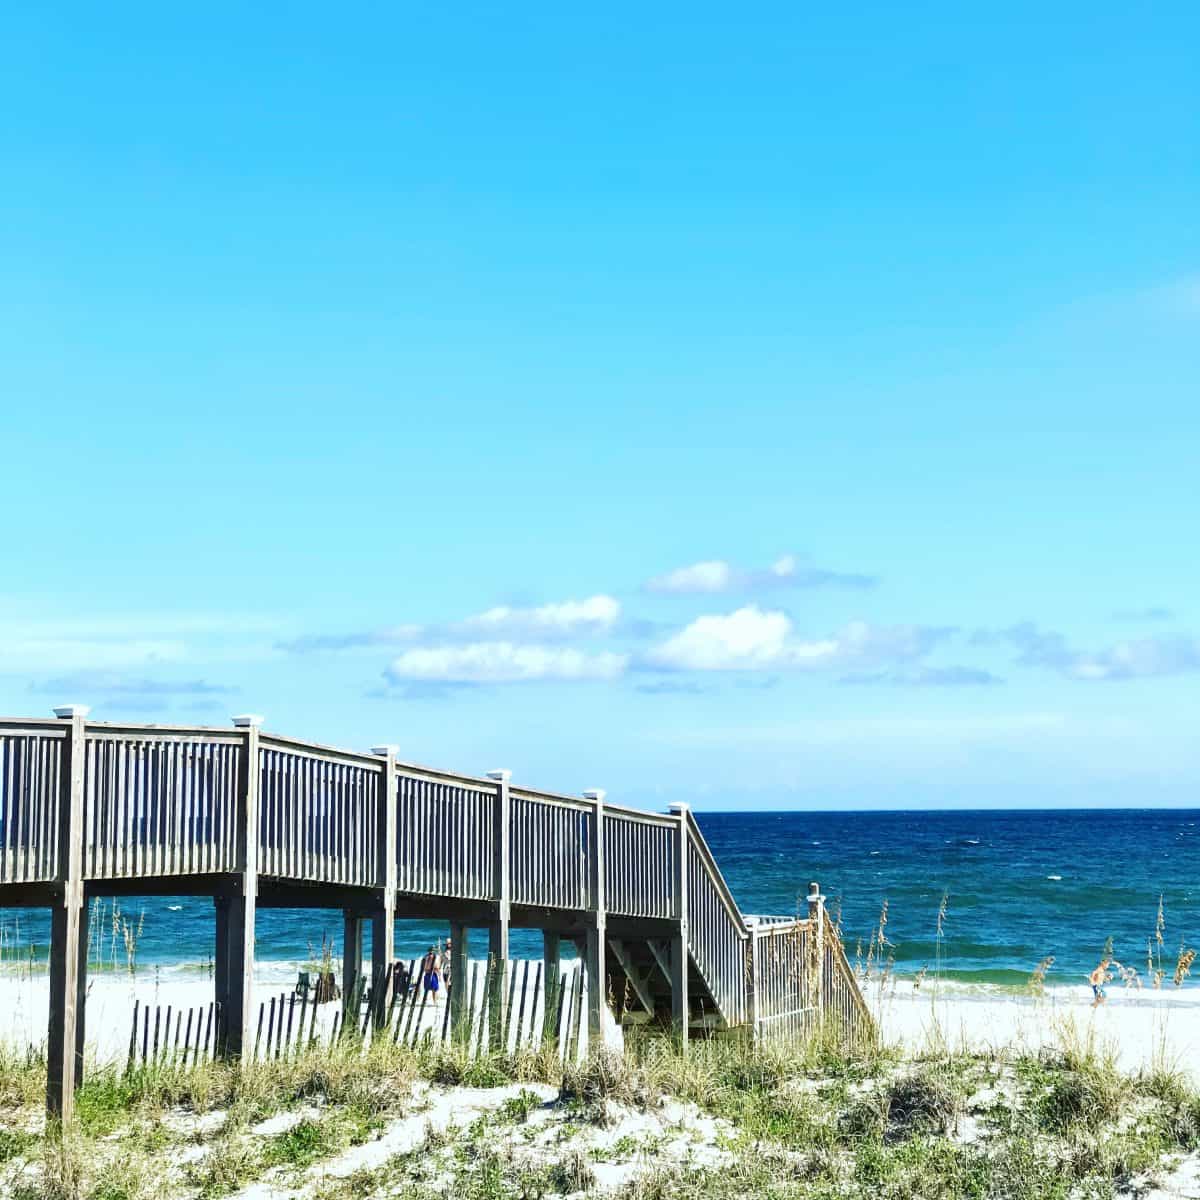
<point>256,820</point>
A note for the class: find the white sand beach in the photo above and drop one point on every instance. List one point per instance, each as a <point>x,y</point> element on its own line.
<point>1141,1028</point>
<point>111,999</point>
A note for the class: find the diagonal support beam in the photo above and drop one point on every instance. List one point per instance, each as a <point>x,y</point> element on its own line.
<point>662,958</point>
<point>639,984</point>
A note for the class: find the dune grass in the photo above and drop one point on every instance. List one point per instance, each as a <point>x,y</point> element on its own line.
<point>808,1120</point>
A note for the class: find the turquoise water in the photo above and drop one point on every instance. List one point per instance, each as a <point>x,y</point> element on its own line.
<point>1021,885</point>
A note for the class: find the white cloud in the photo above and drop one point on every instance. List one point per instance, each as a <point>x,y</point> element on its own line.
<point>716,575</point>
<point>503,662</point>
<point>747,639</point>
<point>713,576</point>
<point>596,614</point>
<point>756,639</point>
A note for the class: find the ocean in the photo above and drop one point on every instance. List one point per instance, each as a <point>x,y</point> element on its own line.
<point>1020,886</point>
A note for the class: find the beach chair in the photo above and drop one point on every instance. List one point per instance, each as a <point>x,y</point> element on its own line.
<point>303,983</point>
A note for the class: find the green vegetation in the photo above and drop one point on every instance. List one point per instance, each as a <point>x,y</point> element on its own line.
<point>802,1122</point>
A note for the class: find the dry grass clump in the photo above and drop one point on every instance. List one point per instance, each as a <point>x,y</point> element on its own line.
<point>921,1101</point>
<point>606,1077</point>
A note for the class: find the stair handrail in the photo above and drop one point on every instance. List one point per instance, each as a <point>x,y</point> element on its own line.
<point>714,873</point>
<point>844,969</point>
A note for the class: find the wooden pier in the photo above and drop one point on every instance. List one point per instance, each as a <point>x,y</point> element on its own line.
<point>261,821</point>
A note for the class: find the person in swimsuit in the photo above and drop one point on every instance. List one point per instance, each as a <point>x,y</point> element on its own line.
<point>431,974</point>
<point>1098,978</point>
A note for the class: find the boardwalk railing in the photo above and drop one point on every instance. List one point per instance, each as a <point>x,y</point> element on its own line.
<point>31,763</point>
<point>446,828</point>
<point>651,840</point>
<point>798,977</point>
<point>159,803</point>
<point>716,927</point>
<point>247,816</point>
<point>318,814</point>
<point>550,840</point>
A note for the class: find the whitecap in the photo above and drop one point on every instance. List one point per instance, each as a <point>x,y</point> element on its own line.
<point>1054,877</point>
<point>174,907</point>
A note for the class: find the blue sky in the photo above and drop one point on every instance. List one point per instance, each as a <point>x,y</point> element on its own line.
<point>795,410</point>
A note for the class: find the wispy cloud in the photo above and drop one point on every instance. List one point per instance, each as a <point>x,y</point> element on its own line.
<point>1135,658</point>
<point>925,676</point>
<point>669,687</point>
<point>134,642</point>
<point>716,575</point>
<point>503,662</point>
<point>83,653</point>
<point>109,684</point>
<point>590,617</point>
<point>570,618</point>
<point>755,639</point>
<point>367,639</point>
<point>1143,615</point>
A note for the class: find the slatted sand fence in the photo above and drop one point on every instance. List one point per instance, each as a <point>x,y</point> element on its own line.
<point>164,1035</point>
<point>289,1023</point>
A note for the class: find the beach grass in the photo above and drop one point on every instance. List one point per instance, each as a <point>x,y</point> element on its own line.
<point>812,1119</point>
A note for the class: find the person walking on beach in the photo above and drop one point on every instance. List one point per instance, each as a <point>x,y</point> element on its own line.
<point>447,981</point>
<point>1098,978</point>
<point>431,974</point>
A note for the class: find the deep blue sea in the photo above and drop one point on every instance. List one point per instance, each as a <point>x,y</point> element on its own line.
<point>1021,885</point>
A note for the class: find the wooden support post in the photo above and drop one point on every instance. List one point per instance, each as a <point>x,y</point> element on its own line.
<point>816,915</point>
<point>243,898</point>
<point>596,938</point>
<point>383,920</point>
<point>680,1010</point>
<point>221,968</point>
<point>352,958</point>
<point>752,976</point>
<point>459,998</point>
<point>68,930</point>
<point>498,929</point>
<point>551,957</point>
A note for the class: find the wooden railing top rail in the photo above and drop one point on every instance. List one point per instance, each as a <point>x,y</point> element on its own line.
<point>148,733</point>
<point>272,741</point>
<point>664,820</point>
<point>554,798</point>
<point>777,924</point>
<point>52,727</point>
<point>714,873</point>
<point>475,783</point>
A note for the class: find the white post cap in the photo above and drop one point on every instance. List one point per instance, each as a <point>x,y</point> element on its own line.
<point>500,776</point>
<point>680,808</point>
<point>247,721</point>
<point>385,751</point>
<point>65,712</point>
<point>814,892</point>
<point>596,794</point>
